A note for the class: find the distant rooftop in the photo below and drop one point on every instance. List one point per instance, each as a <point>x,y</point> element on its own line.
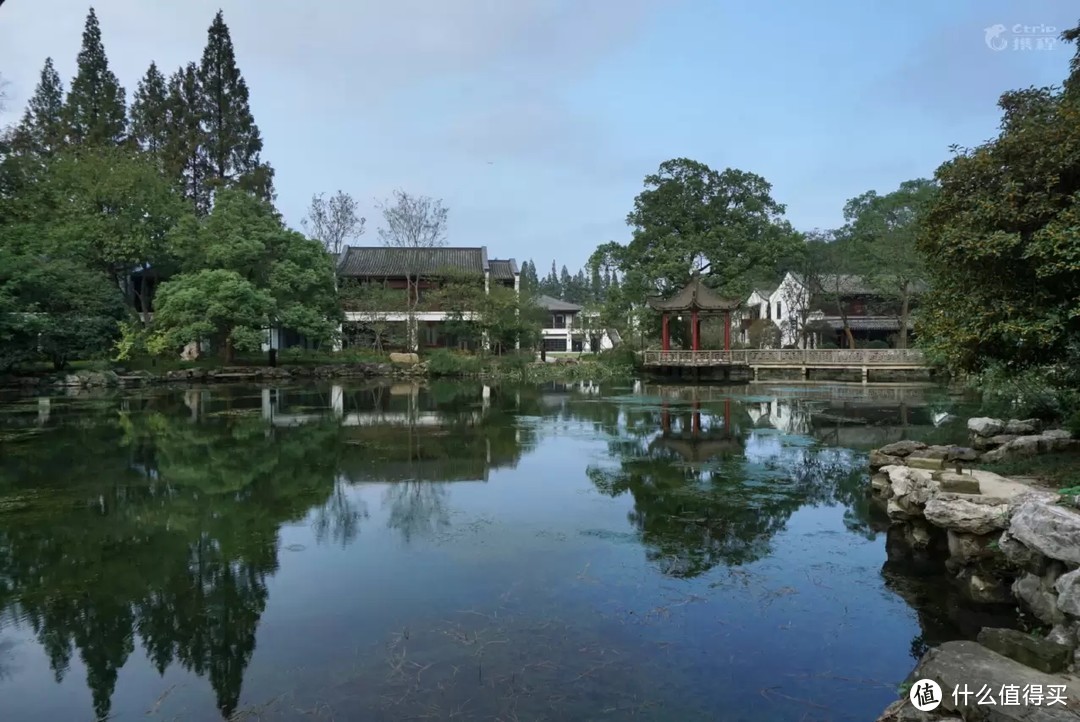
<point>554,304</point>
<point>388,262</point>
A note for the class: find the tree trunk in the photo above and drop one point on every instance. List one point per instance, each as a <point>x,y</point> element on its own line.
<point>230,352</point>
<point>901,341</point>
<point>847,333</point>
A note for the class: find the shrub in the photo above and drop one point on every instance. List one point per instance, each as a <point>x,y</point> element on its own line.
<point>1021,393</point>
<point>827,345</point>
<point>1073,424</point>
<point>443,362</point>
<point>621,356</point>
<point>877,344</point>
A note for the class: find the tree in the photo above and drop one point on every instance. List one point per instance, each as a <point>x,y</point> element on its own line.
<point>692,219</point>
<point>185,151</point>
<point>413,221</point>
<point>216,305</point>
<point>1001,249</point>
<point>233,143</point>
<point>151,121</point>
<point>333,221</point>
<point>55,311</point>
<point>376,304</point>
<point>597,288</point>
<point>530,283</point>
<point>41,131</point>
<point>95,111</point>
<point>245,235</point>
<point>884,228</point>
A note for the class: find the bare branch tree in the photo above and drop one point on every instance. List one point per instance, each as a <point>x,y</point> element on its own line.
<point>334,220</point>
<point>413,221</point>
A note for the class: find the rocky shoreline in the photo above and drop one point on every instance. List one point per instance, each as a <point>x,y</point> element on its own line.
<point>1005,541</point>
<point>121,378</point>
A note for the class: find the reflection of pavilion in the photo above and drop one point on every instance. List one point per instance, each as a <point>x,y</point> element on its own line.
<point>684,434</point>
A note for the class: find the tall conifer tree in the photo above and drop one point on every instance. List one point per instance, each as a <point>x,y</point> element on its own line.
<point>185,151</point>
<point>232,140</point>
<point>150,121</point>
<point>41,130</point>
<point>95,111</point>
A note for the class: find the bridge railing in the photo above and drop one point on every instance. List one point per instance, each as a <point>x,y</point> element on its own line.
<point>788,357</point>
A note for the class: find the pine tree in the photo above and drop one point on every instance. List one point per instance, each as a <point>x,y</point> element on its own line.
<point>150,121</point>
<point>184,151</point>
<point>596,284</point>
<point>95,111</point>
<point>530,283</point>
<point>232,139</point>
<point>566,283</point>
<point>41,130</point>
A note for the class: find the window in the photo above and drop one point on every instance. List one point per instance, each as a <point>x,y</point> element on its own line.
<point>779,310</point>
<point>768,310</point>
<point>555,344</point>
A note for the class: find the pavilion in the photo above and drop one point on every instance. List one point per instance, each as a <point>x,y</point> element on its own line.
<point>697,299</point>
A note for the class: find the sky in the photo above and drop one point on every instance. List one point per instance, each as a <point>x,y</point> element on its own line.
<point>536,121</point>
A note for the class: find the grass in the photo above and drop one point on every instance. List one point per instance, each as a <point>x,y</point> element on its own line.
<point>1059,470</point>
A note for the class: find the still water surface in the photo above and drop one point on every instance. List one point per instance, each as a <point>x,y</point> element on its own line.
<point>455,552</point>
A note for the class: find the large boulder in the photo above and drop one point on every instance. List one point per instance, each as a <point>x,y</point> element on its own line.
<point>1050,529</point>
<point>971,666</point>
<point>1042,654</point>
<point>1022,427</point>
<point>1068,589</point>
<point>1038,595</point>
<point>404,359</point>
<point>962,453</point>
<point>966,548</point>
<point>902,448</point>
<point>967,513</point>
<point>985,426</point>
<point>1047,442</point>
<point>1020,555</point>
<point>878,459</point>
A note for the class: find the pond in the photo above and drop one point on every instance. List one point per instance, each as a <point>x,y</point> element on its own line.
<point>457,551</point>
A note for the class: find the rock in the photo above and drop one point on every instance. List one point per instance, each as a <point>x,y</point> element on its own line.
<point>1022,427</point>
<point>985,426</point>
<point>1050,529</point>
<point>962,453</point>
<point>1064,634</point>
<point>190,352</point>
<point>921,462</point>
<point>1068,589</point>
<point>902,448</point>
<point>1056,434</point>
<point>983,588</point>
<point>964,665</point>
<point>880,484</point>
<point>1039,598</point>
<point>934,452</point>
<point>404,358</point>
<point>969,547</point>
<point>1002,439</point>
<point>967,512</point>
<point>1041,654</point>
<point>879,459</point>
<point>958,483</point>
<point>1019,555</point>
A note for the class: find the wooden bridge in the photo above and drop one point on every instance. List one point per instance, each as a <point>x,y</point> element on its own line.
<point>803,360</point>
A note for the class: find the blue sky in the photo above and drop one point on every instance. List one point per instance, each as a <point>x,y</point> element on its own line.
<point>536,120</point>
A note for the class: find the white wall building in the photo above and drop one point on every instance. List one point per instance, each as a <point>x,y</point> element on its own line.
<point>571,328</point>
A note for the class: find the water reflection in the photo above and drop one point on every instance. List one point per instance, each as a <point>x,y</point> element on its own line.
<point>153,521</point>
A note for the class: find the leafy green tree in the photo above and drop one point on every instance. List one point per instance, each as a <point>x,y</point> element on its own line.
<point>233,141</point>
<point>95,110</point>
<point>151,123</point>
<point>597,289</point>
<point>375,303</point>
<point>882,230</point>
<point>530,282</point>
<point>56,311</point>
<point>1000,238</point>
<point>216,305</point>
<point>41,131</point>
<point>691,218</point>
<point>245,235</point>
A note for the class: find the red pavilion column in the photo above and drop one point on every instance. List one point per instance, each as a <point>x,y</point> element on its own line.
<point>665,336</point>
<point>695,330</point>
<point>727,330</point>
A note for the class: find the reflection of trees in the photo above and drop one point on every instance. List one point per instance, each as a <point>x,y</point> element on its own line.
<point>339,518</point>
<point>705,501</point>
<point>417,508</point>
<point>168,532</point>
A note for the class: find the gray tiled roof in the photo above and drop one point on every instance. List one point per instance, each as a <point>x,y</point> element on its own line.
<point>385,262</point>
<point>503,269</point>
<point>866,323</point>
<point>554,304</point>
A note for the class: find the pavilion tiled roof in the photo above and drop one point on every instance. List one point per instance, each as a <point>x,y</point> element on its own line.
<point>390,262</point>
<point>694,294</point>
<point>503,269</point>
